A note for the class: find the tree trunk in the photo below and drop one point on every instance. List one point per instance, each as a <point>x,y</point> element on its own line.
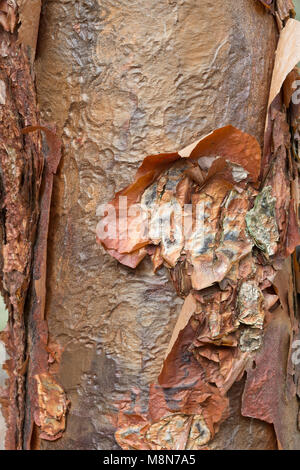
<point>122,80</point>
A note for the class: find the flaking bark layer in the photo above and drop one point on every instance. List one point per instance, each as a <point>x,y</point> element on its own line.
<point>21,174</point>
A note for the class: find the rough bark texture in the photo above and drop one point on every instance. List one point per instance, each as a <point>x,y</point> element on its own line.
<point>29,397</point>
<point>123,80</point>
<point>21,172</point>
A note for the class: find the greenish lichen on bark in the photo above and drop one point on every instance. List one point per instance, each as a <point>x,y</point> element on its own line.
<point>261,222</point>
<point>250,304</point>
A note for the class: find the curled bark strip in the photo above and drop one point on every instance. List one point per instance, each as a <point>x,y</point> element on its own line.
<point>287,56</point>
<point>41,406</point>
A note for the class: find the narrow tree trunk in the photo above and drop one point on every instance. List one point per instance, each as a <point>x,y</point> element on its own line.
<point>21,171</point>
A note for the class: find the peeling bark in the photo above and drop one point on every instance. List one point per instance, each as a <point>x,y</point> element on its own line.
<point>21,174</point>
<point>229,269</point>
<point>101,330</point>
<point>26,188</point>
<point>116,322</point>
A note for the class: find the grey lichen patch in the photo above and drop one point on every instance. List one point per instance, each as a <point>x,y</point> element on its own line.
<point>238,172</point>
<point>174,174</point>
<point>202,239</point>
<point>250,339</point>
<point>166,432</point>
<point>172,240</point>
<point>261,222</point>
<point>250,305</point>
<point>233,223</point>
<point>149,197</point>
<point>199,433</point>
<point>234,242</point>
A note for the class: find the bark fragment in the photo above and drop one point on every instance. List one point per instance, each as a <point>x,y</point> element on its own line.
<point>52,407</point>
<point>250,305</point>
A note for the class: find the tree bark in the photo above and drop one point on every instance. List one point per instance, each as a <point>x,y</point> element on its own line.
<point>122,80</point>
<point>21,172</point>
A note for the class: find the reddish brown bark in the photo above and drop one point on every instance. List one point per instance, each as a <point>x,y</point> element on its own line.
<point>116,97</point>
<point>21,174</point>
<point>26,188</point>
<point>116,321</point>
